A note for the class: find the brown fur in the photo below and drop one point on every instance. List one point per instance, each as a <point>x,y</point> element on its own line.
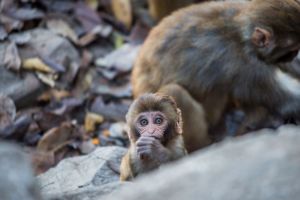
<point>205,58</point>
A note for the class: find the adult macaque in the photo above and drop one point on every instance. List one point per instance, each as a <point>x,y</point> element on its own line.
<point>155,133</point>
<point>212,54</point>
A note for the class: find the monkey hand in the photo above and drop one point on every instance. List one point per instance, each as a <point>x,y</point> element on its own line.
<point>150,148</point>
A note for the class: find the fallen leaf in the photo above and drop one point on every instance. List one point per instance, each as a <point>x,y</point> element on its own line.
<point>55,137</point>
<point>25,14</point>
<point>12,59</point>
<point>87,16</point>
<point>47,120</point>
<point>122,10</point>
<point>139,33</point>
<point>36,64</point>
<point>122,91</point>
<point>57,67</point>
<point>55,94</point>
<point>62,28</point>
<point>121,59</point>
<point>98,30</point>
<point>7,111</point>
<point>67,105</point>
<point>110,111</point>
<point>41,161</point>
<point>91,121</point>
<point>92,4</point>
<point>10,23</point>
<point>58,6</point>
<point>33,135</point>
<point>20,38</point>
<point>47,79</point>
<point>3,33</point>
<point>17,129</point>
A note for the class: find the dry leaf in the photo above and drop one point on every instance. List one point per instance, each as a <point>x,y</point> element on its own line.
<point>122,10</point>
<point>7,111</point>
<point>61,27</point>
<point>55,94</point>
<point>111,111</point>
<point>41,161</point>
<point>121,59</point>
<point>25,14</point>
<point>88,17</point>
<point>3,33</point>
<point>11,58</point>
<point>56,137</point>
<point>47,79</point>
<point>92,4</point>
<point>102,30</point>
<point>36,64</point>
<point>91,120</point>
<point>122,91</point>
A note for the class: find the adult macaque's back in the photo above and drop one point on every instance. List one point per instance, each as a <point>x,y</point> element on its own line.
<point>210,55</point>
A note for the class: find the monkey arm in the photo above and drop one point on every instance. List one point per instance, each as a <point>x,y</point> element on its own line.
<point>177,148</point>
<point>126,172</point>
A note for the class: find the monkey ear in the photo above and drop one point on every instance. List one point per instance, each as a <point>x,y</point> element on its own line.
<point>179,122</point>
<point>261,37</point>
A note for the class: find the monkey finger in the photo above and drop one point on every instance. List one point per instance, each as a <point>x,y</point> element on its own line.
<point>145,142</point>
<point>147,138</point>
<point>144,149</point>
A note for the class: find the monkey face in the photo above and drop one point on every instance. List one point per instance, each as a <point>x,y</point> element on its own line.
<point>151,124</point>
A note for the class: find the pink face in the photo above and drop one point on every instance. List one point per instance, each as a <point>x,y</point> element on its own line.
<point>152,124</point>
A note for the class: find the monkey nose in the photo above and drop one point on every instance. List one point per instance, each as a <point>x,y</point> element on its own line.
<point>150,132</point>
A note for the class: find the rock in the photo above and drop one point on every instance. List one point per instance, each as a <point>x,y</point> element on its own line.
<point>16,176</point>
<point>261,166</point>
<point>85,177</point>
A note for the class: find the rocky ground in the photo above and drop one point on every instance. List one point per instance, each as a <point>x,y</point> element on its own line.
<point>262,166</point>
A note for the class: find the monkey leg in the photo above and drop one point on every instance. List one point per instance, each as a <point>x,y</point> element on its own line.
<point>194,124</point>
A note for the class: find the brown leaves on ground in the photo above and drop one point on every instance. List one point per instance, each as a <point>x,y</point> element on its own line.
<point>64,77</point>
<point>65,74</point>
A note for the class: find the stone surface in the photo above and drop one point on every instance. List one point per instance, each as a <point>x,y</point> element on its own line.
<point>85,177</point>
<point>16,176</point>
<point>261,166</point>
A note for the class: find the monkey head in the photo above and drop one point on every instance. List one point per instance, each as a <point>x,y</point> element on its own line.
<point>275,29</point>
<point>152,124</point>
<point>154,115</point>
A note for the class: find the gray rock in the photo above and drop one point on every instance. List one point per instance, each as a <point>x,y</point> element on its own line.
<point>16,177</point>
<point>84,177</point>
<point>261,166</point>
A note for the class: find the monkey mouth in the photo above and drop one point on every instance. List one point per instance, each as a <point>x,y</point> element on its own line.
<point>288,57</point>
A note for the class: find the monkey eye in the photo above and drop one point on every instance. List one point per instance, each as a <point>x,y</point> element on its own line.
<point>143,122</point>
<point>158,120</point>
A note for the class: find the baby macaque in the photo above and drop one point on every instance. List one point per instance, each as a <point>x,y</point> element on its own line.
<point>155,133</point>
